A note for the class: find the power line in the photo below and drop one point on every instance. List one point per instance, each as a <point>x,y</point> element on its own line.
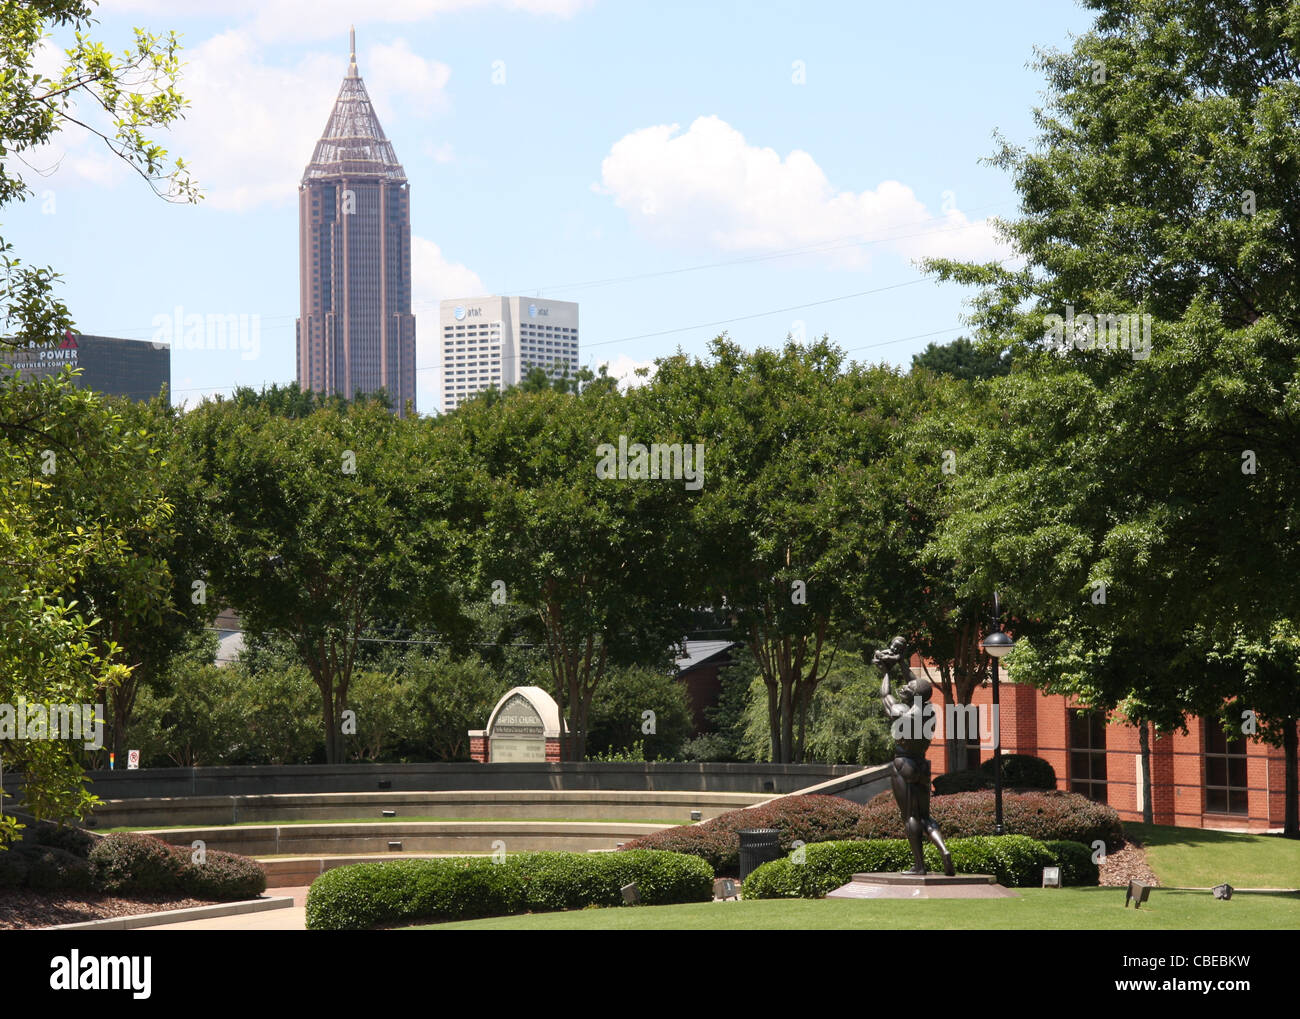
<point>850,350</point>
<point>833,244</point>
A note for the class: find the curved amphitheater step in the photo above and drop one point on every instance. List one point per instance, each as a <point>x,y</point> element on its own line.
<point>391,837</point>
<point>519,804</point>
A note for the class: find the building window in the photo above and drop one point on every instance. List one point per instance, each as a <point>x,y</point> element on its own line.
<point>1225,772</point>
<point>1088,753</point>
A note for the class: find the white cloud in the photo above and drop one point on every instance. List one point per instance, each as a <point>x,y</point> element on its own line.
<point>710,186</point>
<point>443,153</point>
<point>434,279</point>
<point>251,125</point>
<point>394,71</point>
<point>624,369</point>
<point>275,20</point>
<point>72,154</point>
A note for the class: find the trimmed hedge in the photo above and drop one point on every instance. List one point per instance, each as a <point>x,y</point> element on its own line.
<point>368,895</point>
<point>1044,815</point>
<point>50,869</point>
<point>128,863</point>
<point>13,869</point>
<point>1022,771</point>
<point>810,819</point>
<point>961,782</point>
<point>67,837</point>
<point>1075,861</point>
<point>224,877</point>
<point>1015,860</point>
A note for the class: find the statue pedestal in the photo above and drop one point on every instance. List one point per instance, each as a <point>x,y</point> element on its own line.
<point>922,886</point>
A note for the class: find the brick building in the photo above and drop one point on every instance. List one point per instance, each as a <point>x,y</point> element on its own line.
<point>1198,780</point>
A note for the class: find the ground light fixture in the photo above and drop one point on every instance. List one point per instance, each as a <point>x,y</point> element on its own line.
<point>997,644</point>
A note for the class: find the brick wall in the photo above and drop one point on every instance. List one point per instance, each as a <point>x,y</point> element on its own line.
<point>1036,723</point>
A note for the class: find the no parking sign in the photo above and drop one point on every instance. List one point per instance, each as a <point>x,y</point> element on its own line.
<point>132,759</point>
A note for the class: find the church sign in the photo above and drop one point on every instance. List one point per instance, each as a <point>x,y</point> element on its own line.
<point>524,728</point>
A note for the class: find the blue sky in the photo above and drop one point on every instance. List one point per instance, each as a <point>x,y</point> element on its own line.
<point>679,169</point>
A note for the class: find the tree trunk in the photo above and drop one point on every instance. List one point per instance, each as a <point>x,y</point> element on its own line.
<point>1144,741</point>
<point>1291,751</point>
<point>773,721</point>
<point>957,757</point>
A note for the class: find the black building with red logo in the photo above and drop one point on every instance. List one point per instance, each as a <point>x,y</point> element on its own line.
<point>138,369</point>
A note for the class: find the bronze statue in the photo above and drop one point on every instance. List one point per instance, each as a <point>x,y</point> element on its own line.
<point>911,717</point>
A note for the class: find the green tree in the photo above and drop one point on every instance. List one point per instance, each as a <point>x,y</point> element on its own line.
<point>327,527</point>
<point>780,531</point>
<point>1149,464</point>
<point>962,360</point>
<point>594,560</point>
<point>618,719</point>
<point>47,648</point>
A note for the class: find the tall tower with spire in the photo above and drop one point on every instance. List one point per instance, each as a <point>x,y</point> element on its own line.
<point>355,331</point>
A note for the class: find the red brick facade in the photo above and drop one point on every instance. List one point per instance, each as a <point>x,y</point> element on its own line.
<point>1038,724</point>
<point>478,749</point>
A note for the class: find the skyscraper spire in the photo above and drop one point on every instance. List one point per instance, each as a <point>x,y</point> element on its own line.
<point>355,333</point>
<point>353,142</point>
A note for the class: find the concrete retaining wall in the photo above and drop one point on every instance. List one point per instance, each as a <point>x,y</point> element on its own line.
<point>261,780</point>
<point>410,837</point>
<point>517,804</point>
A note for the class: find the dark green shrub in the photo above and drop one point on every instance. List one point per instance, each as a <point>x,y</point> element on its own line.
<point>1020,771</point>
<point>709,746</point>
<point>462,891</point>
<point>54,870</point>
<point>1014,860</point>
<point>1075,861</point>
<point>1043,815</point>
<point>222,877</point>
<point>67,837</point>
<point>128,863</point>
<point>369,895</point>
<point>614,722</point>
<point>662,879</point>
<point>133,864</point>
<point>825,867</point>
<point>805,818</point>
<point>13,869</point>
<point>961,782</point>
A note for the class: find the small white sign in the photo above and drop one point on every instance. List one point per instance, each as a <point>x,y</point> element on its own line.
<point>132,759</point>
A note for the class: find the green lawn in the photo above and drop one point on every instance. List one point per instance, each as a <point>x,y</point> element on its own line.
<point>1198,858</point>
<point>397,820</point>
<point>1037,909</point>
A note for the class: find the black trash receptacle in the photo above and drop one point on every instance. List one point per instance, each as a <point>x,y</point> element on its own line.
<point>758,846</point>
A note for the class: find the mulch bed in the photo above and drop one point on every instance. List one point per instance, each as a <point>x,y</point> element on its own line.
<point>1128,863</point>
<point>23,908</point>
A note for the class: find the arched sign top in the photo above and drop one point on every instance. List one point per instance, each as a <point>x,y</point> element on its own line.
<point>525,711</point>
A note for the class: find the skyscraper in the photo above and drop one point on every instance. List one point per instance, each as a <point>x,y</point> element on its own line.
<point>494,342</point>
<point>355,332</point>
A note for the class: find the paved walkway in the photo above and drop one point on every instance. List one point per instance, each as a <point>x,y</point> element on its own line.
<point>292,919</point>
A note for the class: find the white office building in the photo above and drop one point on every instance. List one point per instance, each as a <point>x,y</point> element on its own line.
<point>493,342</point>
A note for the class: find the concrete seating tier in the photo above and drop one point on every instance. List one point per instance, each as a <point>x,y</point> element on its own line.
<point>425,837</point>
<point>521,804</point>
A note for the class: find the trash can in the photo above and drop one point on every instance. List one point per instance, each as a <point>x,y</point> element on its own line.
<point>758,846</point>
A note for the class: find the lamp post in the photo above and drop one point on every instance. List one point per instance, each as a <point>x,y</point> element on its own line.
<point>997,644</point>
